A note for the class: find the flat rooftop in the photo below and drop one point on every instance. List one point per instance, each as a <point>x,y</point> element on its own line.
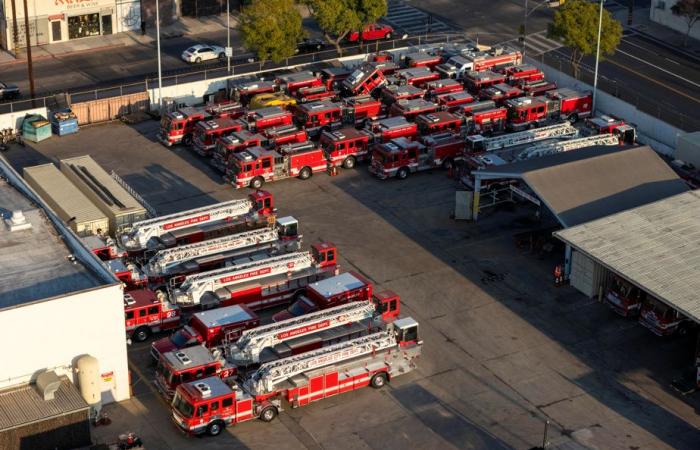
<point>34,263</point>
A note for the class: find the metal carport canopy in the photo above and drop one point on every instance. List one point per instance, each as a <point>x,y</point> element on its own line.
<point>656,247</point>
<point>583,185</point>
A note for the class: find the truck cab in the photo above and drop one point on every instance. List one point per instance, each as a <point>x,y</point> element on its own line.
<point>360,109</point>
<point>292,82</point>
<point>390,128</point>
<point>438,122</point>
<point>442,86</point>
<point>344,147</point>
<point>146,314</point>
<point>128,273</point>
<point>453,100</point>
<point>177,127</point>
<point>185,365</point>
<point>500,92</point>
<point>364,80</point>
<point>104,247</point>
<point>486,121</point>
<point>273,116</point>
<point>410,109</point>
<point>244,91</point>
<point>417,76</point>
<point>663,320</point>
<point>612,125</point>
<point>476,81</point>
<point>398,158</point>
<point>286,134</point>
<point>208,131</point>
<point>624,298</point>
<point>393,93</point>
<point>526,112</point>
<point>318,116</point>
<point>333,77</point>
<point>232,143</point>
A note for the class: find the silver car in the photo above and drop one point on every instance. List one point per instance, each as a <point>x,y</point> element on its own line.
<point>202,52</point>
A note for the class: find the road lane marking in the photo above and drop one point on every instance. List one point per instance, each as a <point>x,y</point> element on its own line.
<point>682,94</point>
<point>659,68</point>
<point>673,61</point>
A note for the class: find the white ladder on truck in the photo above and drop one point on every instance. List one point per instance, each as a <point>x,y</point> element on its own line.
<point>565,146</point>
<point>252,342</point>
<point>560,130</point>
<point>270,374</point>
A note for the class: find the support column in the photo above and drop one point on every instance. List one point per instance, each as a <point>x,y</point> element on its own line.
<point>477,197</point>
<point>567,261</point>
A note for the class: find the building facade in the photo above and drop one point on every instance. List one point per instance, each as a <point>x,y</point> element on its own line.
<point>660,12</point>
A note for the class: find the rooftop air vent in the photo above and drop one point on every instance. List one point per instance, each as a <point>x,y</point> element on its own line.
<point>17,222</point>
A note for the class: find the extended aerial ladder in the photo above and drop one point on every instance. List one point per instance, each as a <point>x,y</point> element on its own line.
<point>257,266</point>
<point>252,342</point>
<point>270,374</point>
<point>551,148</point>
<point>562,130</point>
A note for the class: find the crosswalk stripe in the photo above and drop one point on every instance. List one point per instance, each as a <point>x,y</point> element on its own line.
<point>412,20</point>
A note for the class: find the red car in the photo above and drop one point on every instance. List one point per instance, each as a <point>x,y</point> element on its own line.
<point>372,32</point>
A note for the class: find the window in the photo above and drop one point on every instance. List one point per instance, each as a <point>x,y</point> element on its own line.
<point>351,144</point>
<point>153,310</point>
<point>266,164</point>
<point>142,313</point>
<point>227,402</point>
<point>331,256</point>
<point>214,406</point>
<point>268,203</point>
<point>129,315</point>
<point>392,306</point>
<point>211,370</point>
<point>202,410</point>
<point>186,376</point>
<point>248,167</point>
<point>341,146</point>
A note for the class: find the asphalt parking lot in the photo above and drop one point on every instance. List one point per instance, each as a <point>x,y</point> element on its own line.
<point>504,350</point>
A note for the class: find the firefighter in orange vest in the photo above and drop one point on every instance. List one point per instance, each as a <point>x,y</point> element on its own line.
<point>558,275</point>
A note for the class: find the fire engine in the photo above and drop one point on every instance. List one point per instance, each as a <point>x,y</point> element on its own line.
<point>209,328</point>
<point>256,165</point>
<point>561,104</point>
<point>208,131</point>
<point>500,92</point>
<point>612,125</point>
<point>526,73</point>
<point>468,108</point>
<point>146,314</point>
<point>421,59</point>
<point>333,77</point>
<point>393,93</point>
<point>234,142</point>
<point>314,93</point>
<point>127,272</point>
<point>104,247</point>
<point>290,83</point>
<point>287,134</point>
<point>410,109</point>
<point>258,284</point>
<point>536,88</point>
<point>193,225</point>
<point>624,298</point>
<point>478,143</point>
<point>364,80</point>
<point>444,86</point>
<point>229,109</point>
<point>439,121</point>
<point>385,67</point>
<point>571,104</point>
<point>390,128</point>
<point>476,81</point>
<point>485,120</point>
<point>214,253</point>
<point>177,127</point>
<point>318,116</point>
<point>244,91</point>
<point>400,157</point>
<point>184,365</point>
<point>370,360</point>
<point>550,148</point>
<point>360,109</point>
<point>417,76</point>
<point>662,320</point>
<point>458,65</point>
<point>453,100</point>
<point>273,116</point>
<point>343,148</point>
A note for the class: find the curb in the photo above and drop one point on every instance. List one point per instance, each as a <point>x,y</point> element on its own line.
<point>57,55</point>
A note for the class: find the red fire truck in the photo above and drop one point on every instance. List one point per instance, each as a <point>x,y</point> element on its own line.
<point>571,105</point>
<point>486,121</point>
<point>393,93</point>
<point>476,81</point>
<point>386,67</point>
<point>452,101</point>
<point>468,108</point>
<point>184,365</point>
<point>536,88</point>
<point>287,134</point>
<point>612,125</point>
<point>290,83</point>
<point>256,165</point>
<point>439,121</point>
<point>560,104</point>
<point>272,116</point>
<point>401,157</point>
<point>421,59</point>
<point>364,80</point>
<point>243,91</point>
<point>128,273</point>
<point>259,284</point>
<point>662,320</point>
<point>208,131</point>
<point>314,93</point>
<point>410,109</point>
<point>360,109</point>
<point>343,148</point>
<point>624,298</point>
<point>333,77</point>
<point>500,93</point>
<point>457,66</point>
<point>369,360</point>
<point>390,128</point>
<point>443,86</point>
<point>338,290</point>
<point>104,247</point>
<point>417,76</point>
<point>177,127</point>
<point>209,328</point>
<point>234,142</point>
<point>524,72</point>
<point>145,314</point>
<point>316,117</point>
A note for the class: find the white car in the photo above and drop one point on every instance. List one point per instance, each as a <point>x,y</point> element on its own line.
<point>201,52</point>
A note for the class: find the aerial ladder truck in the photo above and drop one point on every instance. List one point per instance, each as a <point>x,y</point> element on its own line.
<point>198,224</point>
<point>479,143</point>
<point>550,148</point>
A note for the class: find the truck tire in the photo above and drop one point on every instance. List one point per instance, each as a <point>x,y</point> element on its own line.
<point>187,140</point>
<point>448,164</point>
<point>141,334</point>
<point>305,173</point>
<point>268,414</point>
<point>215,428</point>
<point>349,162</point>
<point>257,182</point>
<point>378,381</point>
<point>402,174</point>
<point>573,118</point>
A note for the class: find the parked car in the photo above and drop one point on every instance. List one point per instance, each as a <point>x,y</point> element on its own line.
<point>8,91</point>
<point>309,45</point>
<point>372,32</point>
<point>201,52</point>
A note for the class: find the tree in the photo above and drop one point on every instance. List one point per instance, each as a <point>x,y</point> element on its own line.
<point>337,18</point>
<point>271,29</point>
<point>689,10</point>
<point>576,25</point>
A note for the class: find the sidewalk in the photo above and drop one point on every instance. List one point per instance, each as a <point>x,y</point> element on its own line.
<point>186,26</point>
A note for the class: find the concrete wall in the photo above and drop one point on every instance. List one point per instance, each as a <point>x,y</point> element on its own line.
<point>665,16</point>
<point>53,334</point>
<point>13,120</point>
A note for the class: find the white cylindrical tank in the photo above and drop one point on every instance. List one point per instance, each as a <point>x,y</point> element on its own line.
<point>88,369</point>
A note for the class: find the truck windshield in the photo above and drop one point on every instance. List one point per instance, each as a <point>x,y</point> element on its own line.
<point>180,339</point>
<point>182,406</point>
<point>379,156</point>
<point>301,307</point>
<point>165,123</point>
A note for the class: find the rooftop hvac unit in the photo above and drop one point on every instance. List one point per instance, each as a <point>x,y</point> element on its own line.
<point>183,358</point>
<point>47,384</point>
<point>203,389</point>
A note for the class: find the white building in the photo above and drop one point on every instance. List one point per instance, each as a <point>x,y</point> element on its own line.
<point>660,12</point>
<point>62,20</point>
<point>57,301</point>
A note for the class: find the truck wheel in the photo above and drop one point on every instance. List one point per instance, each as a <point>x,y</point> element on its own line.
<point>448,164</point>
<point>402,174</point>
<point>573,118</point>
<point>215,428</point>
<point>305,173</point>
<point>141,334</point>
<point>187,140</point>
<point>256,183</point>
<point>349,162</point>
<point>378,381</point>
<point>268,414</point>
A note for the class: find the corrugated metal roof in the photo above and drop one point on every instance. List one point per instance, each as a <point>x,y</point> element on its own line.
<point>655,246</point>
<point>107,185</point>
<point>64,193</point>
<point>23,405</point>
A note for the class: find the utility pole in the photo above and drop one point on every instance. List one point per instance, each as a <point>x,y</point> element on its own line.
<point>229,51</point>
<point>15,31</point>
<point>27,39</point>
<point>160,75</point>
